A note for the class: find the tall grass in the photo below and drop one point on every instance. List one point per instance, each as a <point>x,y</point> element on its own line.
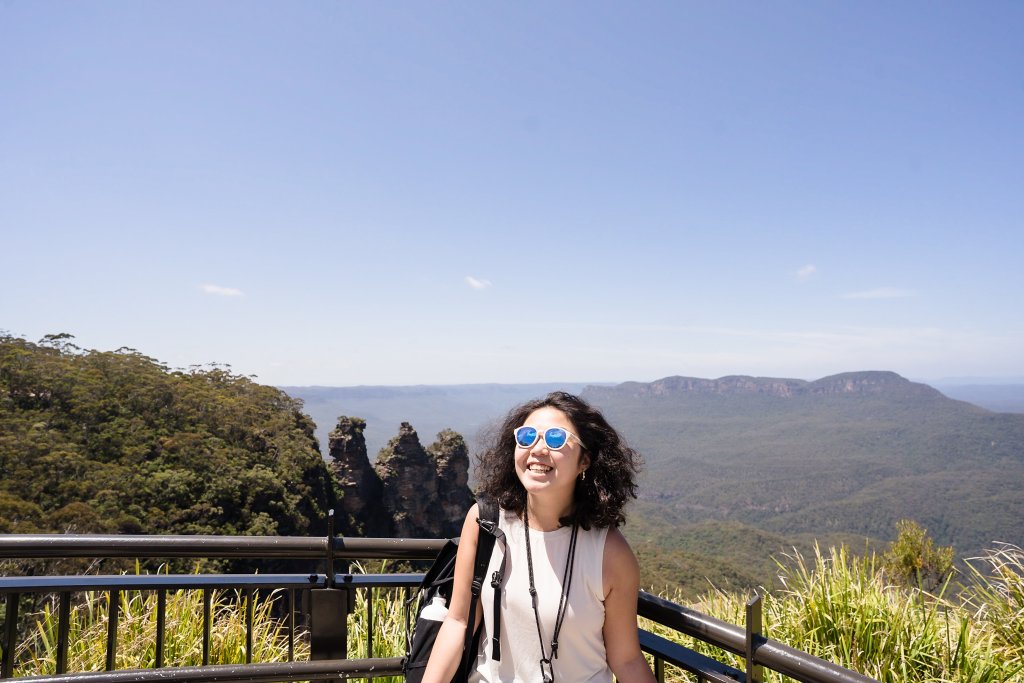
<point>388,609</point>
<point>997,597</point>
<point>136,633</point>
<point>843,609</point>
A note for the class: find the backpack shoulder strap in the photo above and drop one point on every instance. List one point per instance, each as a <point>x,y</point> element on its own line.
<point>488,521</point>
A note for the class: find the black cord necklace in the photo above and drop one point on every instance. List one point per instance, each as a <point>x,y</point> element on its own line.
<point>546,669</point>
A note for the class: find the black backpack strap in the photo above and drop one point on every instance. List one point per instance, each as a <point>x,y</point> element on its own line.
<point>488,521</point>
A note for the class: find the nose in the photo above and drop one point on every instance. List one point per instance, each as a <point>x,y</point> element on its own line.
<point>540,446</point>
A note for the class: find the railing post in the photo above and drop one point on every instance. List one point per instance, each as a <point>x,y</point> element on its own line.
<point>328,611</point>
<point>10,635</point>
<point>161,625</point>
<point>63,631</point>
<point>755,672</point>
<point>113,616</point>
<point>250,597</point>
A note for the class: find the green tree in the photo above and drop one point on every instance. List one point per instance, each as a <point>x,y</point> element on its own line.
<point>101,441</point>
<point>913,558</point>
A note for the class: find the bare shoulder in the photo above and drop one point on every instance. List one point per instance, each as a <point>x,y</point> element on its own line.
<point>470,528</point>
<point>621,569</point>
<point>617,550</point>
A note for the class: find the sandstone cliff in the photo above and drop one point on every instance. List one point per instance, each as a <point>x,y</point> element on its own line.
<point>451,460</point>
<point>357,484</point>
<point>853,383</point>
<point>410,492</point>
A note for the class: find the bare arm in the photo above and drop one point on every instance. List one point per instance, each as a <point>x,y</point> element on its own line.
<point>447,650</point>
<point>621,587</point>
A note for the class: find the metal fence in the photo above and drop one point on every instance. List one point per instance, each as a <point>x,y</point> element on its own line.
<point>316,606</point>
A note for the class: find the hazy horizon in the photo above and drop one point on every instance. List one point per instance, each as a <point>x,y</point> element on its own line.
<point>967,381</point>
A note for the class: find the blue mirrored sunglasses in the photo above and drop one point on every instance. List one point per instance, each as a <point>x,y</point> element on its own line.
<point>554,437</point>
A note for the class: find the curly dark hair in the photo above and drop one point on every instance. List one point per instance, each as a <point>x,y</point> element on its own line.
<point>611,476</point>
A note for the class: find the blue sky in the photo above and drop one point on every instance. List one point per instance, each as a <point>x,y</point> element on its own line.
<point>345,193</point>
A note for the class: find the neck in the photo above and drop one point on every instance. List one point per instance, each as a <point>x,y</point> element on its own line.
<point>545,515</point>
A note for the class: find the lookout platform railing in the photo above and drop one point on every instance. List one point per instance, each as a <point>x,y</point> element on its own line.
<point>317,605</point>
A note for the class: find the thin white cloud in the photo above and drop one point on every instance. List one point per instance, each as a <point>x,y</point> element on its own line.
<point>806,273</point>
<point>477,283</point>
<point>881,293</point>
<point>222,291</point>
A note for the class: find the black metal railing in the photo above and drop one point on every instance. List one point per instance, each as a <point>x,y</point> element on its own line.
<point>326,601</point>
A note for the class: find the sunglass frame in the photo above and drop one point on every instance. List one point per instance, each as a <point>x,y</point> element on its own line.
<point>538,435</point>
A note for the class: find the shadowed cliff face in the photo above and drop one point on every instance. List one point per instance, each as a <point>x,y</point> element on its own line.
<point>410,492</point>
<point>451,461</point>
<point>358,486</point>
<point>410,485</point>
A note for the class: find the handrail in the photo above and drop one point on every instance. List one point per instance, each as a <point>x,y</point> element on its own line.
<point>40,546</point>
<point>324,669</point>
<point>154,582</point>
<point>762,651</point>
<point>770,653</point>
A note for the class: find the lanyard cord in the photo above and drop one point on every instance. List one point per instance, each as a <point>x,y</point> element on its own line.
<point>546,668</point>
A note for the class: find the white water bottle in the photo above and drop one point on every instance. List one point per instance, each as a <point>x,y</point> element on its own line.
<point>436,610</point>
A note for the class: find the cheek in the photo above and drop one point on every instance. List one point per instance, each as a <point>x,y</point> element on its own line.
<point>519,458</point>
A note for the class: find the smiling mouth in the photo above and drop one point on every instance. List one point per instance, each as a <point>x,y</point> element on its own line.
<point>539,469</point>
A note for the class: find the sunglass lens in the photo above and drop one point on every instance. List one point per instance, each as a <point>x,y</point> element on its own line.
<point>555,438</point>
<point>526,436</point>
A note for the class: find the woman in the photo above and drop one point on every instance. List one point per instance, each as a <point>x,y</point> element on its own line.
<point>561,476</point>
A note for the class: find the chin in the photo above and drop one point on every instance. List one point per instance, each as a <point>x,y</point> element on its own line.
<point>532,485</point>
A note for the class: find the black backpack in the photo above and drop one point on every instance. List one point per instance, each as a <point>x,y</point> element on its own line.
<point>438,581</point>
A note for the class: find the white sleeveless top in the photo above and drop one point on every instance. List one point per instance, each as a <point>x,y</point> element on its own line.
<point>581,650</point>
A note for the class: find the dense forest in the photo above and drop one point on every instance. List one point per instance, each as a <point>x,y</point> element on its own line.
<point>116,442</point>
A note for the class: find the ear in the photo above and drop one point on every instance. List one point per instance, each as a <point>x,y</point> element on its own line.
<point>584,462</point>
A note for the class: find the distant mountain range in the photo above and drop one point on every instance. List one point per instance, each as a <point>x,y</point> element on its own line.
<point>1001,398</point>
<point>741,468</point>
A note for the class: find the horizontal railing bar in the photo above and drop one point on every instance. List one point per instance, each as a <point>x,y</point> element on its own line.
<point>377,580</point>
<point>693,623</point>
<point>259,673</point>
<point>770,653</point>
<point>147,582</point>
<point>690,660</point>
<point>34,546</point>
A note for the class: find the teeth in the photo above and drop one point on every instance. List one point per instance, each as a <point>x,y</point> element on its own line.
<point>539,468</point>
